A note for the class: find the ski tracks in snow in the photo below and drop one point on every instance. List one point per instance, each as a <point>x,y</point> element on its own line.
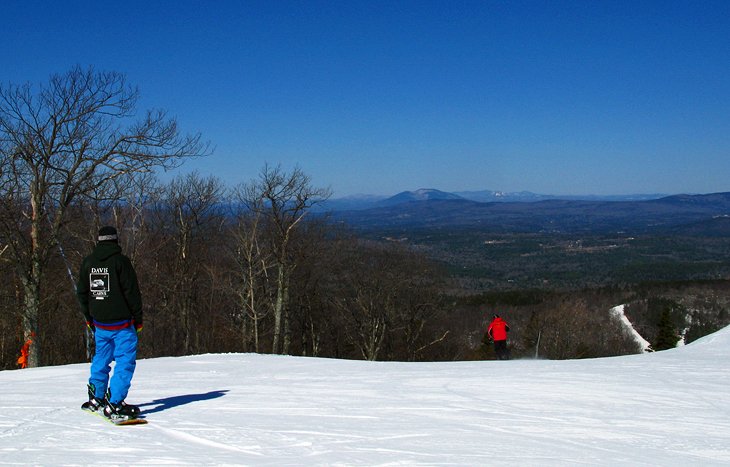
<point>187,437</point>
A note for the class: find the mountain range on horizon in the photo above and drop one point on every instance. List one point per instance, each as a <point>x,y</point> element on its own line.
<point>707,214</point>
<point>368,201</point>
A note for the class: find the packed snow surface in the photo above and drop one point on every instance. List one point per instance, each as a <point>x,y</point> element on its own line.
<point>665,408</point>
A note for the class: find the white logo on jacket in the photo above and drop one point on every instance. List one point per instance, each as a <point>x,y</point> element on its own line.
<point>99,283</point>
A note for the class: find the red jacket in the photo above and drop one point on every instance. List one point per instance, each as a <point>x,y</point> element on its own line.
<point>498,329</point>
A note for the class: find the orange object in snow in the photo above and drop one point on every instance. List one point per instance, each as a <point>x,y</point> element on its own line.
<point>24,351</point>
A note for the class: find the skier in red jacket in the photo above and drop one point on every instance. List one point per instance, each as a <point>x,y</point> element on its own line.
<point>497,331</point>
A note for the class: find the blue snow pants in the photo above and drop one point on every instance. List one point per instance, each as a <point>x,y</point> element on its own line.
<point>119,346</point>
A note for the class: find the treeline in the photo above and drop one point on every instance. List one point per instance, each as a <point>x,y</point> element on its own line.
<point>241,270</point>
<point>248,268</point>
<point>556,324</point>
<point>244,270</point>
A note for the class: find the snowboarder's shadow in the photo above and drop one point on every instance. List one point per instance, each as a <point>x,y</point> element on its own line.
<point>158,405</point>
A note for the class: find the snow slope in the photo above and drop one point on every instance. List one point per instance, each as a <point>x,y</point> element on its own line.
<point>665,408</point>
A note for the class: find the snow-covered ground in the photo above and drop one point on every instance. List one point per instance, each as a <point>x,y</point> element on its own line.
<point>665,408</point>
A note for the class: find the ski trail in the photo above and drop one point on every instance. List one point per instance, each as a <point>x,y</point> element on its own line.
<point>187,437</point>
<point>618,311</point>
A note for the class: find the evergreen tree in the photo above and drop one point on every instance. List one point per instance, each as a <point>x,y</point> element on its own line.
<point>667,337</point>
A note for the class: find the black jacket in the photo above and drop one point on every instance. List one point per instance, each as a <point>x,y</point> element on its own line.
<point>108,290</point>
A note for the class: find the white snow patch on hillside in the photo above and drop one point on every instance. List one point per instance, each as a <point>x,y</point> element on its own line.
<point>663,408</point>
<point>618,311</point>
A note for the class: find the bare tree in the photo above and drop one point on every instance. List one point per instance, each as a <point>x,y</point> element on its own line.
<point>253,263</point>
<point>419,283</point>
<point>62,142</point>
<point>574,326</point>
<point>283,199</point>
<point>311,317</point>
<point>389,299</point>
<point>192,202</point>
<point>365,293</point>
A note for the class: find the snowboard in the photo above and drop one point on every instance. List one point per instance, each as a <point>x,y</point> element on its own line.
<point>120,422</point>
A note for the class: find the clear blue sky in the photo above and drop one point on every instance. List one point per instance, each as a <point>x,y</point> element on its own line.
<point>554,97</point>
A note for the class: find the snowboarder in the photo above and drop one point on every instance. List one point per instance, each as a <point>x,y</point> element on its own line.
<point>497,331</point>
<point>110,299</point>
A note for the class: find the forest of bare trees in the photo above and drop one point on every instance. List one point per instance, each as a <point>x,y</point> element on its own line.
<point>248,268</point>
<point>210,270</point>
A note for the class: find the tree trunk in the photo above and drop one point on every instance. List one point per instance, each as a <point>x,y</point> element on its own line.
<point>278,307</point>
<point>31,311</point>
<point>285,316</point>
<point>32,282</point>
<point>256,333</point>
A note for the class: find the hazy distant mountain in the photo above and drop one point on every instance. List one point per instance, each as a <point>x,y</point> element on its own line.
<point>488,196</point>
<point>696,212</point>
<point>358,202</point>
<point>424,194</point>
